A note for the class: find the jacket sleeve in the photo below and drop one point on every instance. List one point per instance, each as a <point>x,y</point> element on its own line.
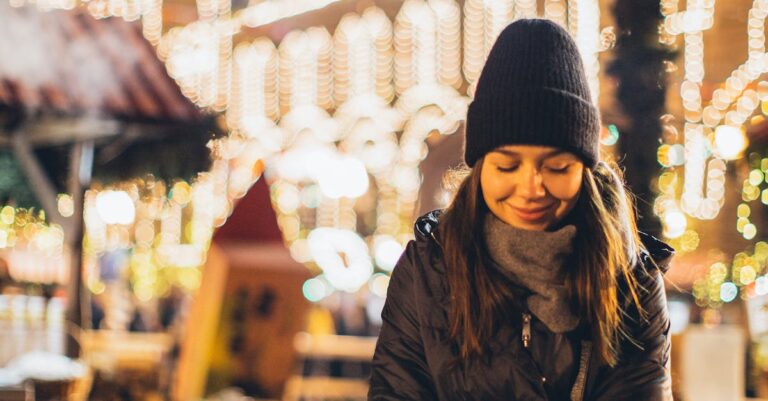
<point>642,373</point>
<point>399,370</point>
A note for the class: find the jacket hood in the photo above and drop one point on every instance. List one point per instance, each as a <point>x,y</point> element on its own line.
<point>661,253</point>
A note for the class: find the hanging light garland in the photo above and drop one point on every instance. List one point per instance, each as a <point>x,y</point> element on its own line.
<point>714,133</point>
<point>483,22</point>
<point>373,60</point>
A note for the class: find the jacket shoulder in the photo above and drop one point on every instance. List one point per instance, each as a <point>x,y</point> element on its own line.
<point>421,267</point>
<point>426,225</point>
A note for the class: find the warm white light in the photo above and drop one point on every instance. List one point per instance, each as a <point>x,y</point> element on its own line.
<point>730,141</point>
<point>199,57</point>
<point>373,142</point>
<point>675,224</point>
<point>483,20</point>
<point>387,251</point>
<point>115,207</point>
<point>306,73</point>
<point>679,316</point>
<point>254,107</point>
<point>343,177</point>
<point>379,284</point>
<point>65,204</point>
<point>693,200</point>
<point>343,257</point>
<point>181,255</point>
<point>362,58</point>
<point>302,162</point>
<point>676,155</point>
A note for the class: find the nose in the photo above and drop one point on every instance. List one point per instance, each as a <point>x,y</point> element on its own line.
<point>532,185</point>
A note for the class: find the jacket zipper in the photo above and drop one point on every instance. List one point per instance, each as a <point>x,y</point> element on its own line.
<point>526,337</point>
<point>526,329</point>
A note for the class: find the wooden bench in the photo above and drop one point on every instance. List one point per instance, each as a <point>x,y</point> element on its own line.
<point>329,347</point>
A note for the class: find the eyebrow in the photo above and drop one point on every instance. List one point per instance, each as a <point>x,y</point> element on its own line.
<point>545,155</point>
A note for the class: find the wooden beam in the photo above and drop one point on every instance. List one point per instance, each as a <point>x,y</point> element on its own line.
<point>78,311</point>
<point>81,164</point>
<point>52,131</point>
<point>41,184</point>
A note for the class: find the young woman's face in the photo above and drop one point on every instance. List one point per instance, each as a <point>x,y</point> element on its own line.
<point>531,187</point>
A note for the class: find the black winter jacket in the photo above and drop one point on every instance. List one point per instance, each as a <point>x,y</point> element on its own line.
<point>415,359</point>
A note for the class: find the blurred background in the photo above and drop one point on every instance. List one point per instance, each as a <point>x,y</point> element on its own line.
<point>203,200</point>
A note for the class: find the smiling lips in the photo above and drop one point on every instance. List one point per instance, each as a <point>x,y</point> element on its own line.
<point>531,214</point>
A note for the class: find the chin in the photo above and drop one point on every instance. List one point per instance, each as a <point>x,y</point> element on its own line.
<point>526,225</point>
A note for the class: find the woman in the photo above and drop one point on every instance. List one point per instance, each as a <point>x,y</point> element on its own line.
<point>534,284</point>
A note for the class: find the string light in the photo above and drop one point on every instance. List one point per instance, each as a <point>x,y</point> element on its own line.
<point>305,70</point>
<point>713,133</point>
<point>483,21</point>
<point>254,106</point>
<point>193,60</point>
<point>525,9</point>
<point>699,172</point>
<point>363,63</point>
<point>342,255</point>
<point>448,15</point>
<point>557,11</point>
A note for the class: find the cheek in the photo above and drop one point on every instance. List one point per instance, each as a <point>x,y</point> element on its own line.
<point>565,188</point>
<point>567,192</point>
<point>495,186</point>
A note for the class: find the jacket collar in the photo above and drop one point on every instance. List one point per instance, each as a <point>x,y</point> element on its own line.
<point>661,253</point>
<point>426,225</point>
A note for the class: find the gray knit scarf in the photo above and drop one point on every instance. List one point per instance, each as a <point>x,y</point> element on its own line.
<point>535,260</point>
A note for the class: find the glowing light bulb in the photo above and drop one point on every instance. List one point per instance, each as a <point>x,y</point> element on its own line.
<point>675,224</point>
<point>115,207</point>
<point>728,292</point>
<point>345,177</point>
<point>315,289</point>
<point>730,141</point>
<point>387,251</point>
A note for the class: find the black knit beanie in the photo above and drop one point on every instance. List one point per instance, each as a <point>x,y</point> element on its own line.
<point>533,91</point>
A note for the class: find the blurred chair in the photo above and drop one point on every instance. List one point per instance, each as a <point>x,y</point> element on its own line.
<point>109,350</point>
<point>20,392</point>
<point>313,348</point>
<point>136,362</point>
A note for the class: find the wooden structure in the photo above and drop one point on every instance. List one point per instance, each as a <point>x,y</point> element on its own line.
<point>244,317</point>
<point>87,91</point>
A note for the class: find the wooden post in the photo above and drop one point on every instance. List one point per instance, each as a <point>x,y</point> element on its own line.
<point>78,312</point>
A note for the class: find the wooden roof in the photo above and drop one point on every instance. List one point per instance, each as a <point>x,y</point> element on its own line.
<point>69,63</point>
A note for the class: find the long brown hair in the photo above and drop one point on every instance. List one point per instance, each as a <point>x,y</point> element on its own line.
<point>606,247</point>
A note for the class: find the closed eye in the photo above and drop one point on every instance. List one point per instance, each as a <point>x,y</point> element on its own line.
<point>557,170</point>
<point>506,169</point>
